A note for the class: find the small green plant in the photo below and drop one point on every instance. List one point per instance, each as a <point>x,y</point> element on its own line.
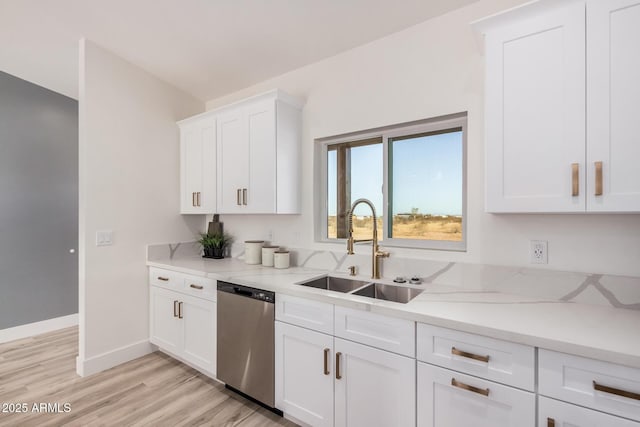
<point>215,244</point>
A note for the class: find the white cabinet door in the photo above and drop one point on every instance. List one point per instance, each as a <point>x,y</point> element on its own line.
<point>535,112</point>
<point>373,387</point>
<point>451,399</point>
<point>613,103</point>
<point>166,327</point>
<point>199,331</point>
<point>198,166</point>
<point>304,374</point>
<point>233,162</point>
<point>261,128</point>
<point>553,413</point>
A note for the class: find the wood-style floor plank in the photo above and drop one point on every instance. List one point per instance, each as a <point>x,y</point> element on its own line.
<point>154,390</point>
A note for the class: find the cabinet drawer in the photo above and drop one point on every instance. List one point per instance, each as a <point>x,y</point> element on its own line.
<point>553,413</point>
<point>387,333</point>
<point>591,383</point>
<point>314,315</point>
<point>495,360</point>
<point>449,398</point>
<point>165,278</point>
<point>199,286</point>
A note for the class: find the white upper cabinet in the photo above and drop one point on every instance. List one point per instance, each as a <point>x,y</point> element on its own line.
<point>259,156</point>
<point>613,105</point>
<point>561,133</point>
<point>198,165</point>
<point>535,112</point>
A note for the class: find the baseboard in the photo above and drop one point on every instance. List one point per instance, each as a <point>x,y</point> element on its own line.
<point>37,328</point>
<point>116,357</point>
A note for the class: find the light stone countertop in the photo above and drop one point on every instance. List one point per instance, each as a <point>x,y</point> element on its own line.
<point>594,331</point>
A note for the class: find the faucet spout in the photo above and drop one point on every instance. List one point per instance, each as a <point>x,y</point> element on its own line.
<point>376,253</point>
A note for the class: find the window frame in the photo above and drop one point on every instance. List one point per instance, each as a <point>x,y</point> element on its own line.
<point>438,124</point>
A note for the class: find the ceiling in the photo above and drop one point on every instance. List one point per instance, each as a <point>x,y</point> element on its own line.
<point>208,48</point>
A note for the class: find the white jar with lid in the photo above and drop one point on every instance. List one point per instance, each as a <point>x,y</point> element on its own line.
<point>267,255</point>
<point>281,259</point>
<point>253,251</point>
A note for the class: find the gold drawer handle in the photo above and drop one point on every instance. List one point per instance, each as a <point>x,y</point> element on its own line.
<point>598,166</point>
<point>616,391</point>
<point>484,392</point>
<point>551,422</point>
<point>164,279</point>
<point>175,308</point>
<point>326,361</point>
<point>575,179</point>
<point>338,376</point>
<point>238,192</point>
<point>469,355</point>
<point>180,310</point>
<point>195,286</point>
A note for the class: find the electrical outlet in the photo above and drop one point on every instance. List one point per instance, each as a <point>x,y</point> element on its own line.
<point>538,252</point>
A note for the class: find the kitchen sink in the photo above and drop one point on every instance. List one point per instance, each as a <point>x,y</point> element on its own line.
<point>337,284</point>
<point>401,294</point>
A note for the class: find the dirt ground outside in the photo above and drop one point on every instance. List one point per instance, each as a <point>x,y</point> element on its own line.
<point>423,227</point>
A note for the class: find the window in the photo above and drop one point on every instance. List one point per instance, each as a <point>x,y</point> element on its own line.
<point>414,174</point>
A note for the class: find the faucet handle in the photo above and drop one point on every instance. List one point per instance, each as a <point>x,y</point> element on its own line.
<point>382,254</point>
<point>353,270</point>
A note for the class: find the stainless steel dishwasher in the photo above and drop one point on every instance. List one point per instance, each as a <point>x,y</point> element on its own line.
<point>246,341</point>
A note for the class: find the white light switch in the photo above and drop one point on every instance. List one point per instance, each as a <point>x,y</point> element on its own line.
<point>104,238</point>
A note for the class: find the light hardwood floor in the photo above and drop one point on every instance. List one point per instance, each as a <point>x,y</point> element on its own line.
<point>154,390</point>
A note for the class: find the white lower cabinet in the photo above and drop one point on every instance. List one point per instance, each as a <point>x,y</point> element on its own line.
<point>450,399</point>
<point>553,413</point>
<point>316,373</point>
<point>199,332</point>
<point>184,326</point>
<point>304,374</point>
<point>166,328</point>
<point>373,387</point>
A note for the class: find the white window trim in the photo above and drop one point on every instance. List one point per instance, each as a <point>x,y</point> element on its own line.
<point>425,126</point>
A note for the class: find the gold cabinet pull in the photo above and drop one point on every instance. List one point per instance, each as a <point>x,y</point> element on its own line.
<point>616,391</point>
<point>551,422</point>
<point>469,355</point>
<point>195,286</point>
<point>164,279</point>
<point>180,310</point>
<point>598,166</point>
<point>338,376</point>
<point>482,391</point>
<point>244,196</point>
<point>575,179</point>
<point>326,361</point>
<point>175,308</point>
<point>238,197</point>
<point>198,198</point>
<point>193,199</point>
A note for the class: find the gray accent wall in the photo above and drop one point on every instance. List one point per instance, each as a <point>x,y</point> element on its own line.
<point>38,203</point>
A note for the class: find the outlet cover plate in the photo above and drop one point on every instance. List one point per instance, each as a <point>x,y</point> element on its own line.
<point>538,252</point>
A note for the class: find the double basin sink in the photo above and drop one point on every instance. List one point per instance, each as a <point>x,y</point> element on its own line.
<point>401,294</point>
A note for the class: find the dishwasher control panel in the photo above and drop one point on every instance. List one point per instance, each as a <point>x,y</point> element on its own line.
<point>247,291</point>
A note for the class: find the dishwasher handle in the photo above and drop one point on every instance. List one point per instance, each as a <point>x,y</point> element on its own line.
<point>239,291</point>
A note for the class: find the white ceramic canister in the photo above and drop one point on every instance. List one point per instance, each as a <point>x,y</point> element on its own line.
<point>281,259</point>
<point>267,255</point>
<point>253,251</point>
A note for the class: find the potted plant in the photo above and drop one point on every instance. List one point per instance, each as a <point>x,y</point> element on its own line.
<point>214,245</point>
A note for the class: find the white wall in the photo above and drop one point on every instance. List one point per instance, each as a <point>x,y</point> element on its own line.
<point>432,69</point>
<point>129,183</point>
